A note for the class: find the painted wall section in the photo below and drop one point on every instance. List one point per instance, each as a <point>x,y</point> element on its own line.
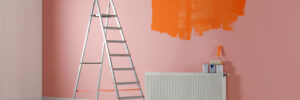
<point>177,18</point>
<point>21,50</point>
<point>261,53</point>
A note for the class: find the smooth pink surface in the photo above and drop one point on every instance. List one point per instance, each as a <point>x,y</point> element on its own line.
<point>262,53</point>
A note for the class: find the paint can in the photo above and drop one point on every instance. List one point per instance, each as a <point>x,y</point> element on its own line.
<point>219,68</point>
<point>205,68</point>
<point>212,68</point>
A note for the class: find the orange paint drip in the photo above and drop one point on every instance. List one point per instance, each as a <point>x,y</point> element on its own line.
<point>178,17</point>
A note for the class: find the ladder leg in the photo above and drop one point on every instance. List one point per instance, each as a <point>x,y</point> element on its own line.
<point>107,50</point>
<point>100,71</point>
<point>126,46</point>
<point>83,52</point>
<point>102,55</point>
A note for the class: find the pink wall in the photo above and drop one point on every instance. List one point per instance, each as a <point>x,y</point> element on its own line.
<point>261,53</point>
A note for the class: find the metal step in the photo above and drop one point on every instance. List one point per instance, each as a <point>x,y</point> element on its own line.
<point>130,97</point>
<point>126,83</point>
<point>122,69</point>
<point>119,54</point>
<point>91,63</point>
<point>104,15</point>
<point>112,28</point>
<point>116,41</point>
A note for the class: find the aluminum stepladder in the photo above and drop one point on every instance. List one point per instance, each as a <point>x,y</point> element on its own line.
<point>105,47</point>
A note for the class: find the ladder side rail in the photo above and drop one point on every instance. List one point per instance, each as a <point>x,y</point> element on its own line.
<point>102,55</point>
<point>83,51</point>
<point>107,49</point>
<point>126,46</point>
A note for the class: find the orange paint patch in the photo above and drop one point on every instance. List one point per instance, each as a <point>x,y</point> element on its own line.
<point>178,17</point>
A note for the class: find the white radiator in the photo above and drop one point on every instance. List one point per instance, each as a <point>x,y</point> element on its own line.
<point>185,86</point>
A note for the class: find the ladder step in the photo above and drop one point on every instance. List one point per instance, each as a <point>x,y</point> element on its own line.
<point>119,54</point>
<point>90,63</point>
<point>116,41</point>
<point>130,97</point>
<point>113,28</point>
<point>104,15</point>
<point>108,90</point>
<point>112,90</point>
<point>123,68</point>
<point>126,83</point>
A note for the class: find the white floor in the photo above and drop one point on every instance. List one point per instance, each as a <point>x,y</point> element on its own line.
<point>55,98</point>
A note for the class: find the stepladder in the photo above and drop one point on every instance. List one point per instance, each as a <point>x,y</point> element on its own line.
<point>106,28</point>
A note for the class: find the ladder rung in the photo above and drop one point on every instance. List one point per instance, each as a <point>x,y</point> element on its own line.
<point>130,97</point>
<point>123,69</point>
<point>112,90</point>
<point>104,15</point>
<point>116,41</point>
<point>108,90</point>
<point>126,83</point>
<point>119,54</point>
<point>113,28</point>
<point>91,63</point>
